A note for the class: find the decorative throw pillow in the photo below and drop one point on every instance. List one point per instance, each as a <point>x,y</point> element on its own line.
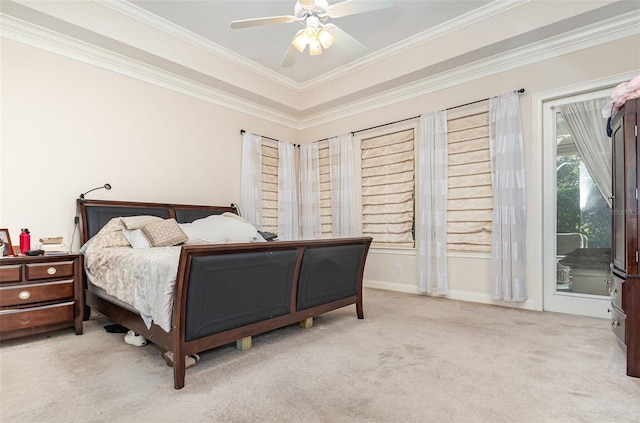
<point>136,238</point>
<point>137,222</point>
<point>110,235</point>
<point>164,233</point>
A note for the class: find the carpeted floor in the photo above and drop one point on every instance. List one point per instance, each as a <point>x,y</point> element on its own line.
<point>412,359</point>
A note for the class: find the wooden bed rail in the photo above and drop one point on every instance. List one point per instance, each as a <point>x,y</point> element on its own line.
<point>229,292</point>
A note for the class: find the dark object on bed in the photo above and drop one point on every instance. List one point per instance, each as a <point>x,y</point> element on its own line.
<point>227,292</point>
<point>268,236</point>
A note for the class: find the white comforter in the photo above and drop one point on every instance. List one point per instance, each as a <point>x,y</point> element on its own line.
<point>143,278</point>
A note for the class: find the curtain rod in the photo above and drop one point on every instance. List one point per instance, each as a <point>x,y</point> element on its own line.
<point>520,91</point>
<point>242,131</point>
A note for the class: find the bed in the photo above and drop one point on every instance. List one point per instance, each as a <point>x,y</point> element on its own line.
<point>225,293</point>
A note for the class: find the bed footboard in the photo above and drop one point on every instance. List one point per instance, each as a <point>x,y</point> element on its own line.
<point>330,274</point>
<point>228,292</point>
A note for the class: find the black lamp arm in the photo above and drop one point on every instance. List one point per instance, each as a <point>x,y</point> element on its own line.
<point>105,186</point>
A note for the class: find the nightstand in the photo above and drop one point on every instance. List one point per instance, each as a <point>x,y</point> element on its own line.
<point>40,294</point>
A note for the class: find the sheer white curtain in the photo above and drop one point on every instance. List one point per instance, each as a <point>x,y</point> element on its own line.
<point>342,186</point>
<point>251,183</point>
<point>589,132</point>
<point>508,228</point>
<point>431,203</point>
<point>287,193</point>
<point>310,218</point>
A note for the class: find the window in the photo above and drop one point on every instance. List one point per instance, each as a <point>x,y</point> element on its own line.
<point>388,189</point>
<point>325,188</point>
<point>581,207</point>
<point>469,194</point>
<point>388,186</point>
<point>583,216</point>
<point>269,187</point>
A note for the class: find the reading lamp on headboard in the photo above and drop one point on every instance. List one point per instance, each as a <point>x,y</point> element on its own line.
<point>76,220</point>
<point>105,186</point>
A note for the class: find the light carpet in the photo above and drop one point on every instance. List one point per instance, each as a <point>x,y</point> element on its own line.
<point>412,359</point>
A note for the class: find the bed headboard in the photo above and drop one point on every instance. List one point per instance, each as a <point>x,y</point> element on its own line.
<point>94,214</point>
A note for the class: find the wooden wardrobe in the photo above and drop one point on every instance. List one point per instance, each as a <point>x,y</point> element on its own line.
<point>625,291</point>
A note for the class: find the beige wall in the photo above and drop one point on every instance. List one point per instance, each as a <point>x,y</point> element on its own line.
<point>469,274</point>
<point>68,126</point>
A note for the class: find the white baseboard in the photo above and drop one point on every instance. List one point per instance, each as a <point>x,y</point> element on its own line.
<point>389,286</point>
<point>473,297</point>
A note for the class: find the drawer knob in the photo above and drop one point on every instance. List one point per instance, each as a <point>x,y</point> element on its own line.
<point>24,295</point>
<point>52,270</point>
<point>24,320</point>
<point>612,291</point>
<point>615,323</point>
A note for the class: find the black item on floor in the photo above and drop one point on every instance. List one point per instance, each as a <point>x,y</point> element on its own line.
<point>116,329</point>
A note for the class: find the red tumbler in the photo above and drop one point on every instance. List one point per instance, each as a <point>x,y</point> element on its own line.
<point>25,240</point>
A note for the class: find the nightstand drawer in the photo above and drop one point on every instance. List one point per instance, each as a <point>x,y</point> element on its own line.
<point>10,273</point>
<point>17,295</point>
<point>36,316</point>
<point>62,269</point>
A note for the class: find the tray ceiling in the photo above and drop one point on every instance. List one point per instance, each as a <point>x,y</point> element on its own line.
<point>412,44</point>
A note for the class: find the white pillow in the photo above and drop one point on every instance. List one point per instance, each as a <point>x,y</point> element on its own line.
<point>221,228</point>
<point>136,238</point>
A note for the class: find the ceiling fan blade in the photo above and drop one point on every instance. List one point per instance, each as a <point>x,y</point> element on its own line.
<point>247,23</point>
<point>307,4</point>
<point>290,57</point>
<point>351,7</point>
<point>345,41</point>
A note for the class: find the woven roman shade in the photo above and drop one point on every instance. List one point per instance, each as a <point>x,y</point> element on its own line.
<point>269,187</point>
<point>387,189</point>
<point>470,193</point>
<point>325,188</point>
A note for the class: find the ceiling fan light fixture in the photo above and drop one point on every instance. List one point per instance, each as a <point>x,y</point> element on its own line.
<point>310,32</point>
<point>300,41</point>
<point>315,48</point>
<point>317,34</point>
<point>325,38</point>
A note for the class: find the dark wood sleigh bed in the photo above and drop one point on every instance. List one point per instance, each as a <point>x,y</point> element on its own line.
<point>226,293</point>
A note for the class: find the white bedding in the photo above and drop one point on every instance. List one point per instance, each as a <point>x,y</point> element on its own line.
<point>145,277</point>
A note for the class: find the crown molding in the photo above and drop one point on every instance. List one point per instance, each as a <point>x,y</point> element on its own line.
<point>148,18</point>
<point>593,35</point>
<point>45,39</point>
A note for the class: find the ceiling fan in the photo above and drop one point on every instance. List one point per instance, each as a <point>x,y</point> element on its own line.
<point>317,34</point>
